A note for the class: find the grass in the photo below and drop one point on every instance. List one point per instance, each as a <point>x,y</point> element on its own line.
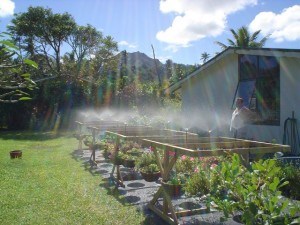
<point>49,186</point>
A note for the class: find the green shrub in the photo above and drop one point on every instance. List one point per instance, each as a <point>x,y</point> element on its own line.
<point>177,179</point>
<point>146,159</point>
<point>152,168</point>
<point>254,192</point>
<point>186,165</point>
<point>198,184</point>
<point>291,174</point>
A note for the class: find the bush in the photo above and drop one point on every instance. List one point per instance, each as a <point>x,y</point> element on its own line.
<point>186,165</point>
<point>146,159</point>
<point>291,174</point>
<point>198,184</point>
<point>254,192</point>
<point>152,168</point>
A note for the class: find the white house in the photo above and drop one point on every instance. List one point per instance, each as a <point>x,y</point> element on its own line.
<point>267,79</point>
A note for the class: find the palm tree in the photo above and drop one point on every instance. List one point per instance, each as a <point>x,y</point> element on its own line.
<point>243,38</point>
<point>204,57</point>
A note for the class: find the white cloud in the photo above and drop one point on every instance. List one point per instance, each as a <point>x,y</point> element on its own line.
<point>126,44</point>
<point>174,48</point>
<point>196,19</point>
<point>7,8</point>
<point>282,27</point>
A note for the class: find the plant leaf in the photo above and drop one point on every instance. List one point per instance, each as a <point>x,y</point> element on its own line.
<point>9,44</point>
<point>31,63</point>
<point>24,98</point>
<point>25,75</point>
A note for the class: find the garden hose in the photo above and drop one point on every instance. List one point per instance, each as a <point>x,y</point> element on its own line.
<point>291,135</point>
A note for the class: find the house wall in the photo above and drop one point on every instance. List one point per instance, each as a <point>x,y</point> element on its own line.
<point>207,98</point>
<point>290,90</point>
<point>289,101</point>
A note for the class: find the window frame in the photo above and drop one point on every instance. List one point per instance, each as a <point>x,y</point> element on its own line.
<point>258,78</point>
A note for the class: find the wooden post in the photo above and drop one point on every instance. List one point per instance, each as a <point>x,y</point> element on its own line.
<point>93,144</point>
<point>80,135</point>
<point>165,178</point>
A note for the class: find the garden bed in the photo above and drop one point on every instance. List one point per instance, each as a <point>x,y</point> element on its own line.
<point>136,134</point>
<point>168,146</point>
<point>173,148</point>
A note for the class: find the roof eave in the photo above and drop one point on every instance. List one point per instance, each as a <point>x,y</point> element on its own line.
<point>237,50</point>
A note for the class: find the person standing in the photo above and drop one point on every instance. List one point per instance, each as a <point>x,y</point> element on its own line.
<point>239,116</point>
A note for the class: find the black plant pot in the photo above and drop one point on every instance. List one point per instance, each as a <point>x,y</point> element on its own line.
<point>129,163</point>
<point>150,177</point>
<point>15,154</point>
<point>117,161</point>
<point>174,190</point>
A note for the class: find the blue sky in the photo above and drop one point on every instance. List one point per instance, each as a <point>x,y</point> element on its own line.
<point>179,30</point>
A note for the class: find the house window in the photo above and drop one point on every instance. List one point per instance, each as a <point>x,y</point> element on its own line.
<point>259,86</point>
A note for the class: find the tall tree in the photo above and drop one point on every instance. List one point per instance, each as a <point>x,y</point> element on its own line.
<point>42,32</point>
<point>84,41</point>
<point>169,68</point>
<point>243,38</point>
<point>204,57</point>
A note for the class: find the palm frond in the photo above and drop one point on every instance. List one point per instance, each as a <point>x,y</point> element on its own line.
<point>223,46</point>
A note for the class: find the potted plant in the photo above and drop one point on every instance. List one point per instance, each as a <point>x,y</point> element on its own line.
<point>88,142</point>
<point>148,167</point>
<point>15,154</point>
<point>129,157</point>
<point>128,160</point>
<point>135,151</point>
<point>186,165</point>
<point>174,186</point>
<point>108,149</point>
<point>150,173</point>
<point>98,145</point>
<point>117,158</point>
<point>198,184</point>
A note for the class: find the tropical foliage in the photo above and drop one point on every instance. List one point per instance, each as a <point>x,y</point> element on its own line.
<point>204,57</point>
<point>90,73</point>
<point>243,38</point>
<point>15,78</point>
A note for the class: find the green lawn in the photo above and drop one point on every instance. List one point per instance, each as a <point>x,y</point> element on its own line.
<point>49,186</point>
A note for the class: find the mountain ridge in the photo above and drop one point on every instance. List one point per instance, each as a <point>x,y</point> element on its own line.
<point>142,67</point>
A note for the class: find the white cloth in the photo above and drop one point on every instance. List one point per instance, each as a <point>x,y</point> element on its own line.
<point>237,122</point>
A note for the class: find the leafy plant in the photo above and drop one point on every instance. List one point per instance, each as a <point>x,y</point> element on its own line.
<point>254,192</point>
<point>128,146</point>
<point>177,179</point>
<point>204,181</point>
<point>126,156</point>
<point>198,184</point>
<point>152,168</point>
<point>291,174</point>
<point>88,140</point>
<point>117,157</point>
<point>186,164</point>
<point>135,151</point>
<point>15,79</point>
<point>146,159</point>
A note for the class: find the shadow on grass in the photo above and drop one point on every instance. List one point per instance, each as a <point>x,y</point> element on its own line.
<point>32,136</point>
